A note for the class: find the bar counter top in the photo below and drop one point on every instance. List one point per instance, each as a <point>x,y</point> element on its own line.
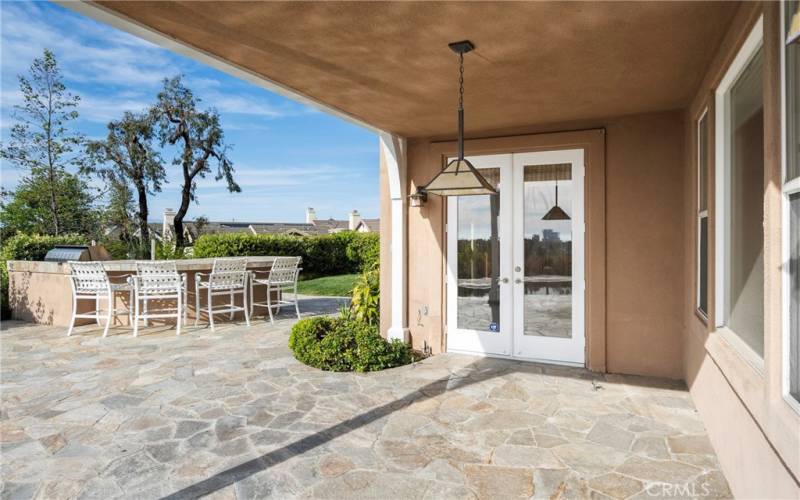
<point>128,266</point>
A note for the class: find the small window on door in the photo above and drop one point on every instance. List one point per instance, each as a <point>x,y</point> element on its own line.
<point>702,215</point>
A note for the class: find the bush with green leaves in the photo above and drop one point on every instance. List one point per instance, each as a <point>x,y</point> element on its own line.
<point>343,344</point>
<point>324,255</point>
<point>28,247</point>
<point>365,304</point>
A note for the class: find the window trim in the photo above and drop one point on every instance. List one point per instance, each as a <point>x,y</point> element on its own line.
<point>787,189</point>
<point>700,215</point>
<point>751,45</point>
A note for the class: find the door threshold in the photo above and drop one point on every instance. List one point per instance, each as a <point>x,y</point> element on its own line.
<point>571,364</point>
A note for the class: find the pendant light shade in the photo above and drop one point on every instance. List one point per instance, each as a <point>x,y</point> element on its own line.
<point>556,213</point>
<point>459,177</point>
<point>794,28</point>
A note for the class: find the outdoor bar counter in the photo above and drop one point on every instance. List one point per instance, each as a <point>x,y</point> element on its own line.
<point>40,292</point>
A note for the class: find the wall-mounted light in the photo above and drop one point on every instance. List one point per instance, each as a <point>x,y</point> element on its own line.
<point>794,28</point>
<point>418,198</point>
<point>459,177</point>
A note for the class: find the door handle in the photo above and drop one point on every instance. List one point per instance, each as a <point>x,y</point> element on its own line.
<point>502,280</point>
<point>518,280</point>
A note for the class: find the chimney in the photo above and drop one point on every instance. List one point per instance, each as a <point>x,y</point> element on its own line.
<point>166,225</point>
<point>355,218</point>
<point>311,216</point>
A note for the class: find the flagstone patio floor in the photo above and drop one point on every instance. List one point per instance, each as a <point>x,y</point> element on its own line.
<point>231,414</point>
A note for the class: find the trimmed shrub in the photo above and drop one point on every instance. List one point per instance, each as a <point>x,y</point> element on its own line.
<point>28,247</point>
<point>325,255</point>
<point>341,344</point>
<point>365,251</point>
<point>35,247</point>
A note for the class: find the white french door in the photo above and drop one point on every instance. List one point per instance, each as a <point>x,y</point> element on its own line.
<point>515,262</point>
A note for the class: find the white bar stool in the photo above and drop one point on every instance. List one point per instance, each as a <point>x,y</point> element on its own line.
<point>228,277</point>
<point>90,281</point>
<point>281,276</point>
<point>160,281</point>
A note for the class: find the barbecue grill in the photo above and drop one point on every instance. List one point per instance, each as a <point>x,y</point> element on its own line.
<point>64,253</point>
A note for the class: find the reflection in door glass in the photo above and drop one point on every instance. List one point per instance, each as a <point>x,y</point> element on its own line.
<point>547,299</point>
<point>479,259</point>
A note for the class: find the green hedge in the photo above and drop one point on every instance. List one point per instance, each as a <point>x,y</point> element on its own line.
<point>325,255</point>
<point>339,345</point>
<point>28,247</point>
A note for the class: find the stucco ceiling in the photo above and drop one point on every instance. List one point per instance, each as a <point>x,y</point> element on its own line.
<point>388,64</point>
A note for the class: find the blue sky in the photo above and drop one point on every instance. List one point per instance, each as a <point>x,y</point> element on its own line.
<point>287,155</point>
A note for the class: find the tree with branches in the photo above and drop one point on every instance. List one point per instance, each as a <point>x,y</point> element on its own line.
<point>127,157</point>
<point>42,145</point>
<point>200,142</point>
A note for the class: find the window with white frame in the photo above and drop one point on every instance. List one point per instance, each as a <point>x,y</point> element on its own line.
<point>740,200</point>
<point>702,214</point>
<point>791,190</point>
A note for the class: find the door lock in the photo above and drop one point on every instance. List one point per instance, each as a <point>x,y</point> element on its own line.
<point>503,280</point>
<point>518,281</point>
<point>517,269</point>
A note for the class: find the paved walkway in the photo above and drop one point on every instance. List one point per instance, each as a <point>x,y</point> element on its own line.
<point>231,414</point>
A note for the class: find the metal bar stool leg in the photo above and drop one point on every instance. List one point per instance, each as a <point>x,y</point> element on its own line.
<point>210,309</point>
<point>244,306</point>
<point>179,312</point>
<point>296,306</point>
<point>269,304</point>
<point>252,298</point>
<point>74,312</point>
<point>110,316</point>
<point>196,301</point>
<point>136,314</point>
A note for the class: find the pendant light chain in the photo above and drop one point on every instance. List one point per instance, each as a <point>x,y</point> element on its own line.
<point>461,81</point>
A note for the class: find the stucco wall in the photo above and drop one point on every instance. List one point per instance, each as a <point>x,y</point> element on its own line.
<point>643,244</point>
<point>753,430</point>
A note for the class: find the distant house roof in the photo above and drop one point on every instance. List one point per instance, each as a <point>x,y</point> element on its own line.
<point>369,225</point>
<point>332,225</point>
<point>302,229</point>
<point>315,227</point>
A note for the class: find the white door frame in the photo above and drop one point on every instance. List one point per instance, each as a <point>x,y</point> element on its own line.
<point>473,341</point>
<point>509,341</point>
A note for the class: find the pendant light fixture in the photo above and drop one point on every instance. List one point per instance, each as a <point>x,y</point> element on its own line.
<point>556,213</point>
<point>459,177</point>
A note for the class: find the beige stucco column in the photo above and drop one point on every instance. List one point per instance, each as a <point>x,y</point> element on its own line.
<point>394,153</point>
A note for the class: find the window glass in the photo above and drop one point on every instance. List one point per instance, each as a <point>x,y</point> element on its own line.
<point>794,295</point>
<point>479,259</point>
<point>792,99</point>
<point>702,289</point>
<point>702,164</point>
<point>792,86</point>
<point>702,215</point>
<point>745,194</point>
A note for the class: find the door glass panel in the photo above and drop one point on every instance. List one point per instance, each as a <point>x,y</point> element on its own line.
<point>547,208</point>
<point>478,301</point>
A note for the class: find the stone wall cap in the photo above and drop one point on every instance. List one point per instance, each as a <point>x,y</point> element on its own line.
<point>126,265</point>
